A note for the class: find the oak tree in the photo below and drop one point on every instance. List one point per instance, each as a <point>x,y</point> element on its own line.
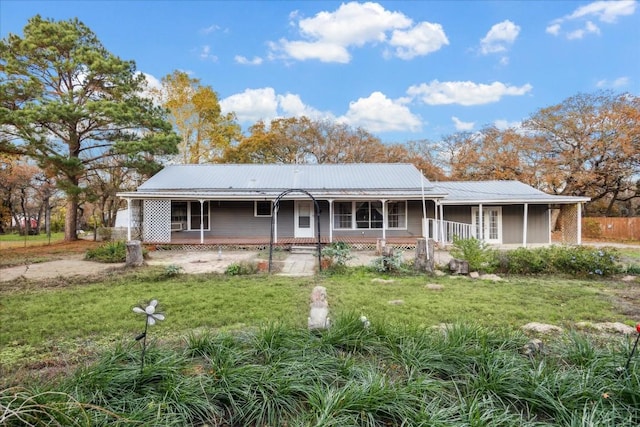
<point>68,103</point>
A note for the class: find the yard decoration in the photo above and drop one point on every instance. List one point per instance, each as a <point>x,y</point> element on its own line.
<point>633,350</point>
<point>151,316</point>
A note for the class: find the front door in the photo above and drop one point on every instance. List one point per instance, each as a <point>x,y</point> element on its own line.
<point>491,224</point>
<point>303,218</point>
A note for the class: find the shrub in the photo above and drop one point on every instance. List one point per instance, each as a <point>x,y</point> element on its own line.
<point>392,263</point>
<point>241,268</point>
<point>576,261</point>
<point>108,253</point>
<point>476,252</point>
<point>338,253</point>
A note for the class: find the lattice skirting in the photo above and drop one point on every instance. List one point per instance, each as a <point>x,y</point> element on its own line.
<point>260,247</point>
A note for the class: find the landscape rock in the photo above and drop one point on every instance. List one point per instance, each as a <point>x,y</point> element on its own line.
<point>474,275</point>
<point>492,277</point>
<point>439,273</point>
<point>608,327</point>
<point>458,266</point>
<point>396,302</point>
<point>629,278</point>
<point>541,328</point>
<point>379,280</point>
<point>434,287</point>
<point>533,347</point>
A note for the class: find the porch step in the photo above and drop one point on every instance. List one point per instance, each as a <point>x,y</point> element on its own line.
<point>306,249</point>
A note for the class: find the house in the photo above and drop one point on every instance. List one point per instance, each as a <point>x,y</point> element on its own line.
<point>225,204</point>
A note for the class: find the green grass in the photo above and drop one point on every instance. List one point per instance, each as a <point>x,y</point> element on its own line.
<point>466,375</point>
<point>41,238</point>
<point>40,322</point>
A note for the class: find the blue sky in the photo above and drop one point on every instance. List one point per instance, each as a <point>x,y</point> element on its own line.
<point>403,70</point>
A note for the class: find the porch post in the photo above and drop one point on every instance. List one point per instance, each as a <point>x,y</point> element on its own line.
<point>130,214</point>
<point>441,234</point>
<point>201,221</point>
<point>384,219</point>
<point>524,225</point>
<point>330,220</point>
<point>480,222</point>
<point>275,223</point>
<point>579,224</point>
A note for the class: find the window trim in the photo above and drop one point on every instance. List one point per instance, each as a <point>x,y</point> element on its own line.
<point>405,215</point>
<point>255,208</point>
<point>353,224</point>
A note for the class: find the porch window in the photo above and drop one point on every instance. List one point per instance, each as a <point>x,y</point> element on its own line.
<point>195,215</point>
<point>186,215</point>
<point>263,208</point>
<point>179,216</point>
<point>397,214</point>
<point>368,214</point>
<point>342,215</point>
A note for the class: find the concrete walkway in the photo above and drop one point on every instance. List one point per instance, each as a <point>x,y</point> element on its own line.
<point>299,265</point>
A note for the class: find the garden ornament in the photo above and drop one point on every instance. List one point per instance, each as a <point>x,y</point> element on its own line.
<point>633,350</point>
<point>152,316</point>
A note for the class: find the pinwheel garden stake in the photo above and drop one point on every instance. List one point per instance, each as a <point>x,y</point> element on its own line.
<point>150,319</point>
<point>634,347</point>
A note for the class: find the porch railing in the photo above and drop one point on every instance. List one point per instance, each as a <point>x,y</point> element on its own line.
<point>443,231</point>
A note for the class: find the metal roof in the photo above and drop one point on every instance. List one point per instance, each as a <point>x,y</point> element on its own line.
<point>475,192</point>
<point>270,177</point>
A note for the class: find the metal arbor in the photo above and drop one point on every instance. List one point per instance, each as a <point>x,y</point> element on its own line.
<point>276,205</point>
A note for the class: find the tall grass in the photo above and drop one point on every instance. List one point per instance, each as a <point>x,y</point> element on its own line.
<point>382,375</point>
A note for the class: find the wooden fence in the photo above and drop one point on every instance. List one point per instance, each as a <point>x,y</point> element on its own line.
<point>611,228</point>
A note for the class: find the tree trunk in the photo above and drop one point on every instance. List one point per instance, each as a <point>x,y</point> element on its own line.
<point>134,254</point>
<point>71,220</point>
<point>425,261</point>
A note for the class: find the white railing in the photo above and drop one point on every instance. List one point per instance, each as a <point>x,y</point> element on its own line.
<point>443,231</point>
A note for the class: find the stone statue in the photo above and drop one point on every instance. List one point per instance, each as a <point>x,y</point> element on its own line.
<point>319,313</point>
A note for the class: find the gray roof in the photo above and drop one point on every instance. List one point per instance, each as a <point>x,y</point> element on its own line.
<point>474,192</point>
<point>242,181</point>
<point>249,177</point>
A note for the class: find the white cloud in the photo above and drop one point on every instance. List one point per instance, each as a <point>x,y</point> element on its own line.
<point>153,85</point>
<point>462,126</point>
<point>617,83</point>
<point>209,29</point>
<point>205,54</point>
<point>553,29</point>
<point>589,28</point>
<point>505,124</point>
<point>501,36</point>
<point>464,93</point>
<point>292,106</point>
<point>420,40</point>
<point>252,105</point>
<point>377,113</point>
<point>327,36</point>
<point>300,50</point>
<point>245,61</point>
<point>604,11</point>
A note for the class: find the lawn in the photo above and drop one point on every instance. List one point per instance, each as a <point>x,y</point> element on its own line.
<point>40,320</point>
<point>235,351</point>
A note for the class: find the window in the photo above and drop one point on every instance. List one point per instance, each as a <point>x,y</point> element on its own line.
<point>367,215</point>
<point>342,215</point>
<point>186,215</point>
<point>397,214</point>
<point>195,216</point>
<point>263,208</point>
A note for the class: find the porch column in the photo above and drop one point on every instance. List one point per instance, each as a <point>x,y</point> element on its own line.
<point>480,222</point>
<point>201,221</point>
<point>524,225</point>
<point>579,224</point>
<point>275,223</point>
<point>129,215</point>
<point>441,225</point>
<point>330,220</point>
<point>384,219</point>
